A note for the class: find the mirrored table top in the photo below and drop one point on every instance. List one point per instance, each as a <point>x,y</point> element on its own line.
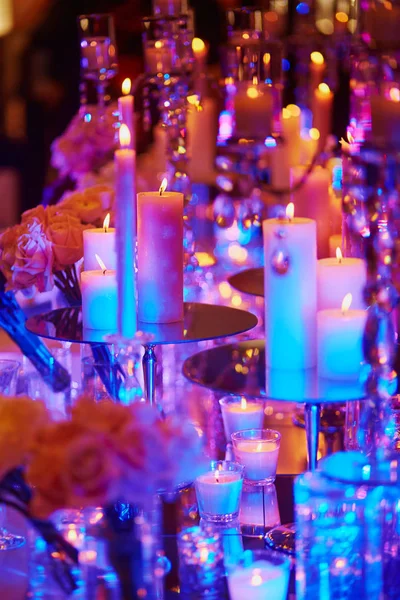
<point>201,322</point>
<point>240,369</point>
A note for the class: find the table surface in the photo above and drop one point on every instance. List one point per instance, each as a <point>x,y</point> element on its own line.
<point>201,322</point>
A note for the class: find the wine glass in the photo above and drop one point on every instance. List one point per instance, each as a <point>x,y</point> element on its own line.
<point>99,61</point>
<point>9,370</point>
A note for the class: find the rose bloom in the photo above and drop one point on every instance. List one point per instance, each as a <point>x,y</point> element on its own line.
<point>33,259</point>
<point>8,247</point>
<point>73,467</point>
<point>88,205</point>
<point>44,215</point>
<point>21,419</point>
<point>65,233</point>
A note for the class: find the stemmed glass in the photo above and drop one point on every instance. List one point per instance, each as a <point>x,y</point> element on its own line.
<point>9,370</point>
<point>99,61</point>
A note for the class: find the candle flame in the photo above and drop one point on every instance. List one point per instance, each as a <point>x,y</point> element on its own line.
<point>350,138</point>
<point>198,46</point>
<point>294,110</point>
<point>158,44</point>
<point>324,89</point>
<point>163,186</point>
<point>126,86</point>
<point>259,447</point>
<point>347,300</point>
<point>317,58</point>
<point>286,113</point>
<point>314,134</point>
<point>394,94</point>
<point>243,404</point>
<point>290,211</point>
<point>124,136</point>
<point>339,254</point>
<point>106,223</point>
<point>256,578</point>
<point>341,17</point>
<point>102,265</point>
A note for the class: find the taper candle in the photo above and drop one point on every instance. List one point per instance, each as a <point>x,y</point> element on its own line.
<point>322,112</point>
<point>126,108</point>
<point>126,239</point>
<point>291,116</point>
<point>202,128</point>
<point>317,69</point>
<point>290,275</point>
<point>160,256</point>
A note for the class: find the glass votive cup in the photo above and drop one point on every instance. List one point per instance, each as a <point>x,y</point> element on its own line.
<point>201,562</point>
<point>219,491</point>
<point>238,414</point>
<point>257,450</point>
<point>260,574</point>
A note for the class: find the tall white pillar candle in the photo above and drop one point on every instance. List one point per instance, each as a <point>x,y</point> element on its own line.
<point>99,300</point>
<point>124,159</point>
<point>340,333</point>
<point>338,276</point>
<point>322,112</point>
<point>291,296</point>
<point>126,107</point>
<point>313,200</point>
<point>291,117</point>
<point>260,581</point>
<point>253,111</point>
<point>202,129</point>
<point>99,241</point>
<point>160,257</point>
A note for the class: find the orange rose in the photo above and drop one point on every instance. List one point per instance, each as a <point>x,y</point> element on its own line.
<point>65,233</point>
<point>33,259</point>
<point>21,419</point>
<point>73,467</point>
<point>8,247</point>
<point>88,204</point>
<point>104,417</point>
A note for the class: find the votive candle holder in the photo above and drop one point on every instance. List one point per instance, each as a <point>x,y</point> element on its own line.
<point>219,491</point>
<point>257,450</point>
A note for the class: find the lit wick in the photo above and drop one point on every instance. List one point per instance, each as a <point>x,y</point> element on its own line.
<point>163,186</point>
<point>290,211</point>
<point>347,300</point>
<point>102,265</point>
<point>106,223</point>
<point>339,255</point>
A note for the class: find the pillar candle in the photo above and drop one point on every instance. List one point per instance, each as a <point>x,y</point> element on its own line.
<point>218,493</point>
<point>291,117</point>
<point>202,129</point>
<point>99,241</point>
<point>317,69</point>
<point>338,276</point>
<point>124,159</point>
<point>261,581</point>
<point>340,333</point>
<point>290,297</point>
<point>322,112</point>
<point>126,108</point>
<point>308,145</point>
<point>160,257</point>
<point>253,110</point>
<point>99,300</point>
<point>313,200</point>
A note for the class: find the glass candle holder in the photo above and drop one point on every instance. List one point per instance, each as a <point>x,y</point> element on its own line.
<point>167,44</point>
<point>245,25</point>
<point>219,491</point>
<point>257,450</point>
<point>239,414</point>
<point>260,574</point>
<point>201,562</point>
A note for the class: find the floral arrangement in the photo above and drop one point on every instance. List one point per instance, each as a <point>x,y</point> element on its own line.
<point>43,249</point>
<point>88,142</point>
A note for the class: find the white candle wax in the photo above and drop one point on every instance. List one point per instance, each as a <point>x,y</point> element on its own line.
<point>336,278</point>
<point>99,300</point>
<point>202,128</point>
<point>259,458</point>
<point>322,112</point>
<point>291,116</point>
<point>340,335</point>
<point>126,218</point>
<point>219,496</point>
<point>290,298</point>
<point>126,108</point>
<point>160,257</point>
<point>253,111</point>
<point>237,416</point>
<point>313,200</point>
<point>260,581</point>
<point>99,241</point>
